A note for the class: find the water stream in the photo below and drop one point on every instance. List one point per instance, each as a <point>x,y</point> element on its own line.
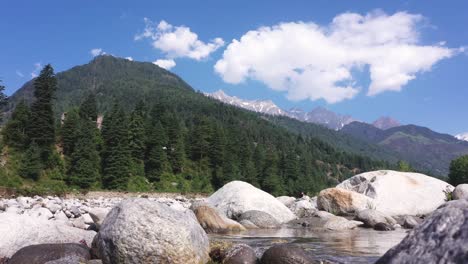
<point>350,246</point>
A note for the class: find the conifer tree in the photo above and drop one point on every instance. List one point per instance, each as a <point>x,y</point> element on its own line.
<point>157,162</point>
<point>69,131</point>
<point>116,156</point>
<point>3,100</point>
<point>14,133</point>
<point>85,161</point>
<point>88,108</point>
<point>31,163</point>
<point>41,128</point>
<point>137,136</point>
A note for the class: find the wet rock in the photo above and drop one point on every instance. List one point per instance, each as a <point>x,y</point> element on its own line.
<point>240,254</point>
<point>142,231</point>
<point>371,217</point>
<point>247,224</point>
<point>286,254</point>
<point>460,192</point>
<point>260,219</point>
<point>340,223</point>
<point>18,231</point>
<point>440,238</point>
<point>383,227</point>
<point>342,202</point>
<point>399,193</point>
<point>237,197</point>
<point>47,253</point>
<point>212,222</point>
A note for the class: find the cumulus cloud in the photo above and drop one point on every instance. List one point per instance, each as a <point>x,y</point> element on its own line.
<point>309,61</point>
<point>37,69</point>
<point>178,41</point>
<point>165,64</point>
<point>97,52</point>
<point>129,58</point>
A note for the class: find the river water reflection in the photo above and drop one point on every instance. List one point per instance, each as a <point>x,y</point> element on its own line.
<point>351,246</point>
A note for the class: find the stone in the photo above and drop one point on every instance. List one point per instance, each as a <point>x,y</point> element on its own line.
<point>18,231</point>
<point>98,215</point>
<point>53,207</point>
<point>371,217</point>
<point>240,254</point>
<point>303,208</point>
<point>142,231</point>
<point>237,197</point>
<point>340,223</point>
<point>247,224</point>
<point>383,227</point>
<point>212,222</point>
<point>399,193</point>
<point>51,253</point>
<point>410,222</point>
<point>80,223</point>
<point>24,202</point>
<point>41,212</point>
<point>343,202</point>
<point>260,219</point>
<point>441,238</point>
<point>75,210</point>
<point>87,219</point>
<point>3,206</point>
<point>460,192</point>
<point>286,254</point>
<point>286,200</point>
<point>60,216</point>
<point>323,214</point>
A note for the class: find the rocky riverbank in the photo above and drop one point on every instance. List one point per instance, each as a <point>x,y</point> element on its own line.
<point>160,228</point>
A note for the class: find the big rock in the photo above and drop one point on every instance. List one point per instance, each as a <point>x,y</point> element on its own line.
<point>39,254</point>
<point>212,222</point>
<point>342,202</point>
<point>18,231</point>
<point>286,254</point>
<point>400,193</point>
<point>144,231</point>
<point>460,192</point>
<point>237,197</point>
<point>441,238</point>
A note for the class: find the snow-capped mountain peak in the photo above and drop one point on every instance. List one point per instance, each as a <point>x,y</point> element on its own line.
<point>463,136</point>
<point>386,122</point>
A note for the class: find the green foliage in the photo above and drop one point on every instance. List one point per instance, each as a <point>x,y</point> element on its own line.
<point>14,132</point>
<point>88,108</point>
<point>31,163</point>
<point>404,166</point>
<point>69,131</point>
<point>3,99</point>
<point>459,170</point>
<point>138,184</point>
<point>41,128</point>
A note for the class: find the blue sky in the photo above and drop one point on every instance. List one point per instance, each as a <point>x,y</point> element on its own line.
<point>430,75</point>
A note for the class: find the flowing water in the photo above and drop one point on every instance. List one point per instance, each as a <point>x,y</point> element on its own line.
<point>351,246</point>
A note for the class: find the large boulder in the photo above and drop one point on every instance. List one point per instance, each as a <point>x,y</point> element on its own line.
<point>144,231</point>
<point>237,197</point>
<point>286,254</point>
<point>18,231</point>
<point>372,217</point>
<point>460,192</point>
<point>441,238</point>
<point>343,202</point>
<point>212,222</point>
<point>400,193</point>
<point>240,254</point>
<point>40,254</point>
<point>260,219</point>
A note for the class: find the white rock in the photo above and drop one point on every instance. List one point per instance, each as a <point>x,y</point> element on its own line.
<point>98,215</point>
<point>343,202</point>
<point>87,219</point>
<point>303,208</point>
<point>142,231</point>
<point>341,223</point>
<point>41,212</point>
<point>460,192</point>
<point>237,197</point>
<point>400,193</point>
<point>18,231</point>
<point>24,202</point>
<point>60,216</point>
<point>286,200</point>
<point>53,207</point>
<point>79,223</point>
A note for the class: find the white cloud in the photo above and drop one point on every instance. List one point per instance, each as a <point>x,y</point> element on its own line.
<point>309,61</point>
<point>20,74</point>
<point>97,52</point>
<point>37,69</point>
<point>165,64</point>
<point>178,41</point>
<point>129,58</point>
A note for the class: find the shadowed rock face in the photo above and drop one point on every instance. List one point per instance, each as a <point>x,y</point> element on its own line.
<point>40,254</point>
<point>441,238</point>
<point>286,254</point>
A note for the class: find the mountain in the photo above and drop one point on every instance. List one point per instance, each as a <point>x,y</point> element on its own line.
<point>259,106</point>
<point>386,122</point>
<point>463,136</point>
<point>425,149</point>
<point>213,142</point>
<point>319,115</point>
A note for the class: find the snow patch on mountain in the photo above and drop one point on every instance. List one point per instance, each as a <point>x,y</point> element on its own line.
<point>463,136</point>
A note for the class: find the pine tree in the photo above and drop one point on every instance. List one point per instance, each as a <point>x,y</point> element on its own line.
<point>14,133</point>
<point>3,100</point>
<point>41,128</point>
<point>85,161</point>
<point>200,142</point>
<point>157,162</point>
<point>31,164</point>
<point>69,131</point>
<point>116,157</point>
<point>137,136</point>
<point>176,144</point>
<point>88,108</point>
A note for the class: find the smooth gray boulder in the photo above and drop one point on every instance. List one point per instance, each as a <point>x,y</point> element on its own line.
<point>399,193</point>
<point>371,217</point>
<point>286,254</point>
<point>144,231</point>
<point>260,219</point>
<point>237,197</point>
<point>286,200</point>
<point>441,238</point>
<point>51,254</point>
<point>240,254</point>
<point>460,192</point>
<point>18,231</point>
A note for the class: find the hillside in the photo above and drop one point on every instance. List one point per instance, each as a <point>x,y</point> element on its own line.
<point>425,149</point>
<point>208,142</point>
